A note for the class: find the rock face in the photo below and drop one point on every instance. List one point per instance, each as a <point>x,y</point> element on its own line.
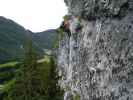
<point>96,61</point>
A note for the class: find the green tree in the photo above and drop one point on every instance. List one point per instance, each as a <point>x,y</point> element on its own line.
<point>54,89</point>
<point>28,84</point>
<point>35,81</point>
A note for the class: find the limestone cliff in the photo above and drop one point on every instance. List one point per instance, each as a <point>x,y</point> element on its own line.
<point>96,59</point>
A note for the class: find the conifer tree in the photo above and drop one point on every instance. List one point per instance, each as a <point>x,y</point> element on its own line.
<point>54,89</point>
<point>35,81</point>
<point>28,85</point>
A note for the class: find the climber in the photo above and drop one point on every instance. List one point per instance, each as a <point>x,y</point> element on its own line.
<point>65,25</point>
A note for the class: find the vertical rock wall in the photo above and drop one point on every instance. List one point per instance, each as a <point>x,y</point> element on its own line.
<point>96,61</point>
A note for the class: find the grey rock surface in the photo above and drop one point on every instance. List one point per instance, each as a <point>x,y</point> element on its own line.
<point>92,9</point>
<point>96,62</point>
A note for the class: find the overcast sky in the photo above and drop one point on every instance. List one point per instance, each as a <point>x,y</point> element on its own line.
<point>36,15</point>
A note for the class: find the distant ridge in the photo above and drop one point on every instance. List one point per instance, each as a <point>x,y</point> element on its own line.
<point>13,38</point>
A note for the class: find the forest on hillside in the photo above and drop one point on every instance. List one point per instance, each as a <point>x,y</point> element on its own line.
<point>32,79</point>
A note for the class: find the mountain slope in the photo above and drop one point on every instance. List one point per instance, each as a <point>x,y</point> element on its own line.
<point>45,39</point>
<point>13,38</point>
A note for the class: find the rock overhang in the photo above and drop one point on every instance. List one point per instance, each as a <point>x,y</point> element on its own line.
<point>92,9</point>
